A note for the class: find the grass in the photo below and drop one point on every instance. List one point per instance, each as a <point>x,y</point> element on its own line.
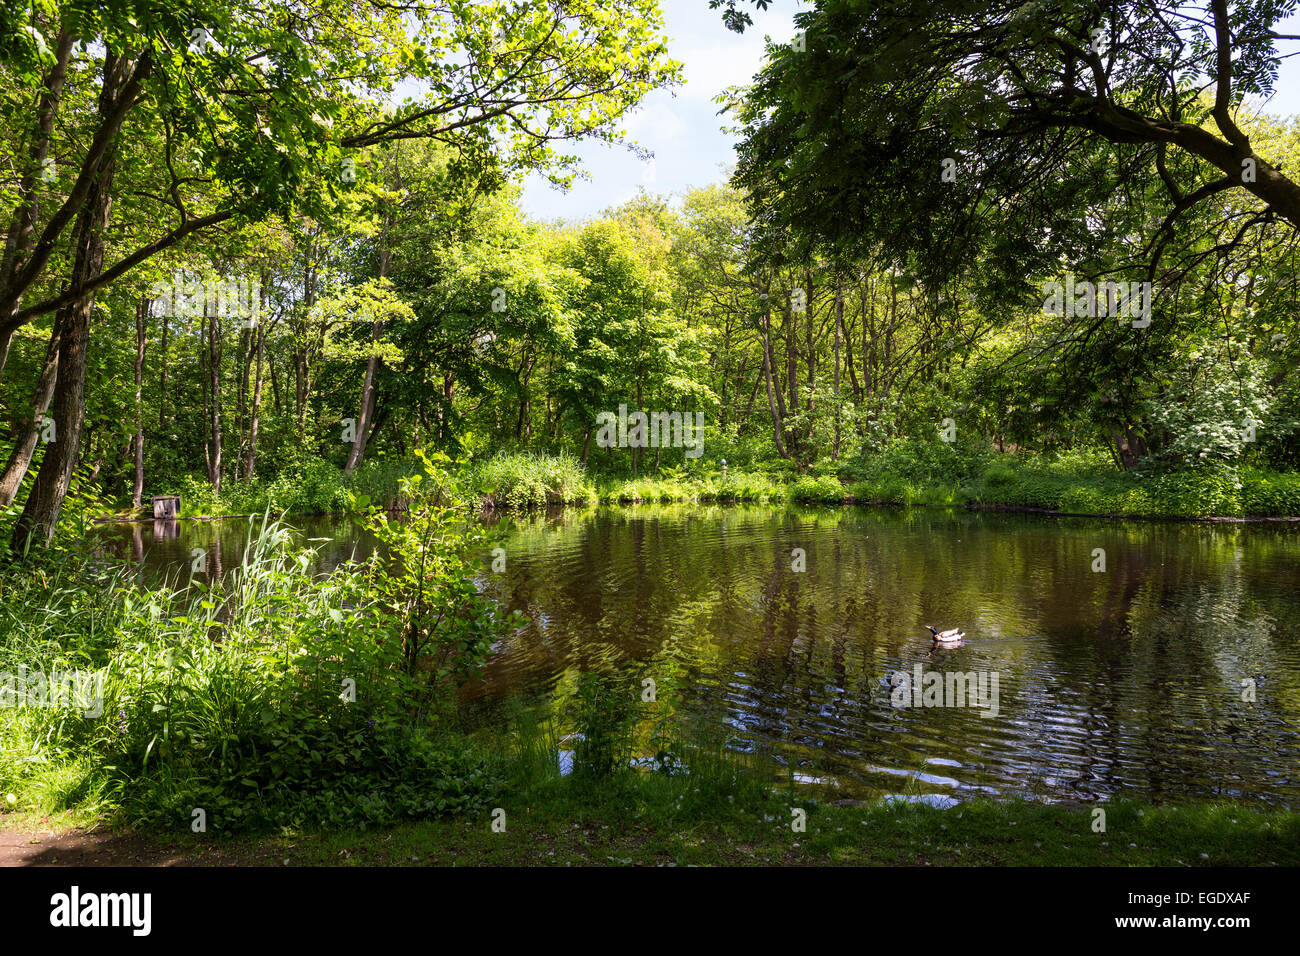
<point>530,480</point>
<point>563,831</point>
<point>905,473</point>
<point>914,473</point>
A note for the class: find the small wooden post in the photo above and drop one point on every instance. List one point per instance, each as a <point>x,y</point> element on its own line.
<point>166,507</point>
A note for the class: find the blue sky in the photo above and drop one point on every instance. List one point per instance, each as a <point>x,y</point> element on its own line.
<point>682,127</point>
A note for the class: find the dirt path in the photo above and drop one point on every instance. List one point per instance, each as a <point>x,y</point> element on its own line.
<point>26,847</point>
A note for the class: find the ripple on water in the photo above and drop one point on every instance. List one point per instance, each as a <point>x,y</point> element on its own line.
<point>1125,683</point>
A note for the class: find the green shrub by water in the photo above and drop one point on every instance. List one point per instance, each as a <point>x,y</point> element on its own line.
<point>826,489</point>
<point>1081,482</point>
<point>529,480</point>
<point>276,699</point>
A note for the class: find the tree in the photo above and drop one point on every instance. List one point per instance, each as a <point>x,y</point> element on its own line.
<point>256,109</point>
<point>953,130</point>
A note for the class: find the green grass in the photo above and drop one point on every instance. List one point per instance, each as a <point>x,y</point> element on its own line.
<point>530,480</point>
<point>562,831</point>
<point>713,486</point>
<point>915,473</point>
<point>906,473</point>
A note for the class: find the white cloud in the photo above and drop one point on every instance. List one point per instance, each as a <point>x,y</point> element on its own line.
<point>711,69</point>
<point>657,119</point>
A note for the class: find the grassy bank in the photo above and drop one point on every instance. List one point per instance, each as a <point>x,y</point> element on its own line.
<point>571,832</point>
<point>905,473</point>
<point>273,698</point>
<point>913,474</point>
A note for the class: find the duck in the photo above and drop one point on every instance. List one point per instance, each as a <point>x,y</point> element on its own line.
<point>953,636</point>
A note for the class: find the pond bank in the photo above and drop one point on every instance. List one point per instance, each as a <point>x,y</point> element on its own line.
<point>1037,485</point>
<point>489,506</point>
<point>564,834</point>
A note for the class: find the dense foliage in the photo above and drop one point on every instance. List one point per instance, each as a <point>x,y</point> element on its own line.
<point>274,697</point>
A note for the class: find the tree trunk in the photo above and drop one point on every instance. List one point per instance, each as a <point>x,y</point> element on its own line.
<point>18,244</point>
<point>162,385</point>
<point>1129,446</point>
<point>255,414</point>
<point>749,407</point>
<point>275,389</point>
<point>868,338</point>
<point>809,332</point>
<point>791,358</point>
<point>767,377</point>
<point>21,457</point>
<point>839,322</point>
<point>40,515</point>
<point>247,339</point>
<point>302,358</point>
<point>141,313</point>
<point>362,423</point>
<point>214,393</point>
<point>205,383</point>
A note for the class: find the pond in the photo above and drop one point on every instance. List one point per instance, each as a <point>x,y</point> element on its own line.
<point>1114,658</point>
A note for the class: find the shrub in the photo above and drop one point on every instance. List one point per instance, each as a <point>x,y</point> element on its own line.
<point>1194,494</point>
<point>1270,494</point>
<point>275,699</point>
<point>999,475</point>
<point>529,480</point>
<point>922,461</point>
<point>809,488</point>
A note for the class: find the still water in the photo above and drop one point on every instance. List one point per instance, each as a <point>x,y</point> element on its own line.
<point>1126,681</point>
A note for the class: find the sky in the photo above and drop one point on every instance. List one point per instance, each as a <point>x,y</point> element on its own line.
<point>682,127</point>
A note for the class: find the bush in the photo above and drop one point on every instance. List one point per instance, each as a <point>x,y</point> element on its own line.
<point>276,699</point>
<point>529,480</point>
<point>1270,494</point>
<point>999,475</point>
<point>809,488</point>
<point>1195,494</point>
<point>743,486</point>
<point>922,461</point>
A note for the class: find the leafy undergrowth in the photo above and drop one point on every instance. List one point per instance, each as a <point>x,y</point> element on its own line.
<point>913,473</point>
<point>270,698</point>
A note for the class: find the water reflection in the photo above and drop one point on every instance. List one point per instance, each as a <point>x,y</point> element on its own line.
<point>1127,681</point>
<point>206,550</point>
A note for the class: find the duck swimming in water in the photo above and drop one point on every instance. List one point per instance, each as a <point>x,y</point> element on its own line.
<point>953,636</point>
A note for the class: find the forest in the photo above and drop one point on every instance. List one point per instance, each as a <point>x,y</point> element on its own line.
<point>272,258</point>
<point>288,307</point>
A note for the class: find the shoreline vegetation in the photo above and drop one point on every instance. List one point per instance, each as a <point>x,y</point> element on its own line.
<point>1068,486</point>
<point>1009,509</point>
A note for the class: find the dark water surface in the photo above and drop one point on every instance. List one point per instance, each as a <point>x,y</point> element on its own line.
<point>1126,681</point>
